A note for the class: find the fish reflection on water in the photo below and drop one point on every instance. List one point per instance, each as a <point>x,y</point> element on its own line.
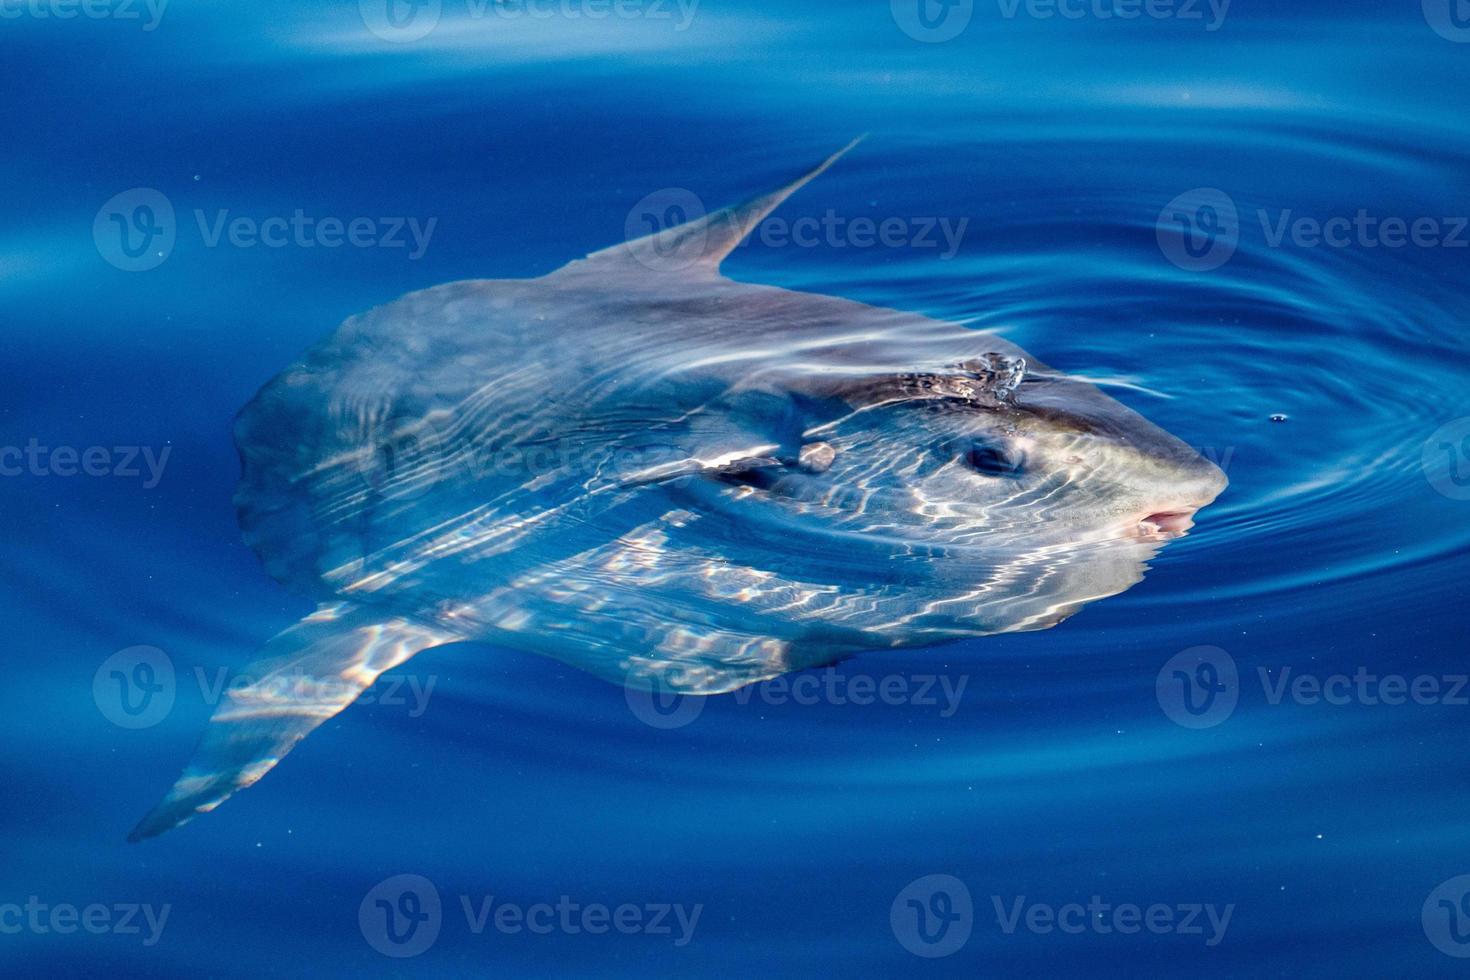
<point>669,478</point>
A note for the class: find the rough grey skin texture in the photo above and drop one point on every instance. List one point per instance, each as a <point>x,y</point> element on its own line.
<point>668,478</point>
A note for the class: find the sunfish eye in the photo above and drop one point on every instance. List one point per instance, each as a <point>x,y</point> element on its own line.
<point>992,460</point>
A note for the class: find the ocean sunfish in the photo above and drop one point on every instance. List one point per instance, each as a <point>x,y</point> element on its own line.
<point>670,479</point>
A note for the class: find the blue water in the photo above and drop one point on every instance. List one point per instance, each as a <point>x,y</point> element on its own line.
<point>1338,548</point>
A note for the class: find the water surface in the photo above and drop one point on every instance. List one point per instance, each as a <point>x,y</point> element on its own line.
<point>1337,549</point>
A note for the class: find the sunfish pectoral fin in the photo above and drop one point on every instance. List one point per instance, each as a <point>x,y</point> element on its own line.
<point>308,673</point>
<point>703,243</point>
<point>751,428</point>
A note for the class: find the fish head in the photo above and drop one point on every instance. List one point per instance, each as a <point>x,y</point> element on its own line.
<point>1103,466</point>
<point>983,451</point>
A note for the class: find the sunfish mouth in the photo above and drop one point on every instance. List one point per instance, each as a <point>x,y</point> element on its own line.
<point>1172,512</point>
<point>1167,523</point>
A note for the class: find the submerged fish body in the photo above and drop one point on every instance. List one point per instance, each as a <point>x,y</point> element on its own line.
<point>666,477</point>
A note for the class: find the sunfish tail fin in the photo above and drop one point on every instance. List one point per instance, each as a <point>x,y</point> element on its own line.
<point>704,242</point>
<point>308,673</point>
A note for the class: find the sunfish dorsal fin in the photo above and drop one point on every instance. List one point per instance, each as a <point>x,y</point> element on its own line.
<point>703,243</point>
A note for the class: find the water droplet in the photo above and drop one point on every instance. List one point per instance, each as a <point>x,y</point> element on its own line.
<point>998,374</point>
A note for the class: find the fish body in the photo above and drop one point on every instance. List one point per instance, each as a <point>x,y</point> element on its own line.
<point>670,479</point>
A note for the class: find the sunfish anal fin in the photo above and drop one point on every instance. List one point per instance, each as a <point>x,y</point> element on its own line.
<point>703,243</point>
<point>308,673</point>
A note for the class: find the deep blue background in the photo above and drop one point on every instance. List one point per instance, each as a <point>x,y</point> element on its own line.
<point>795,826</point>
